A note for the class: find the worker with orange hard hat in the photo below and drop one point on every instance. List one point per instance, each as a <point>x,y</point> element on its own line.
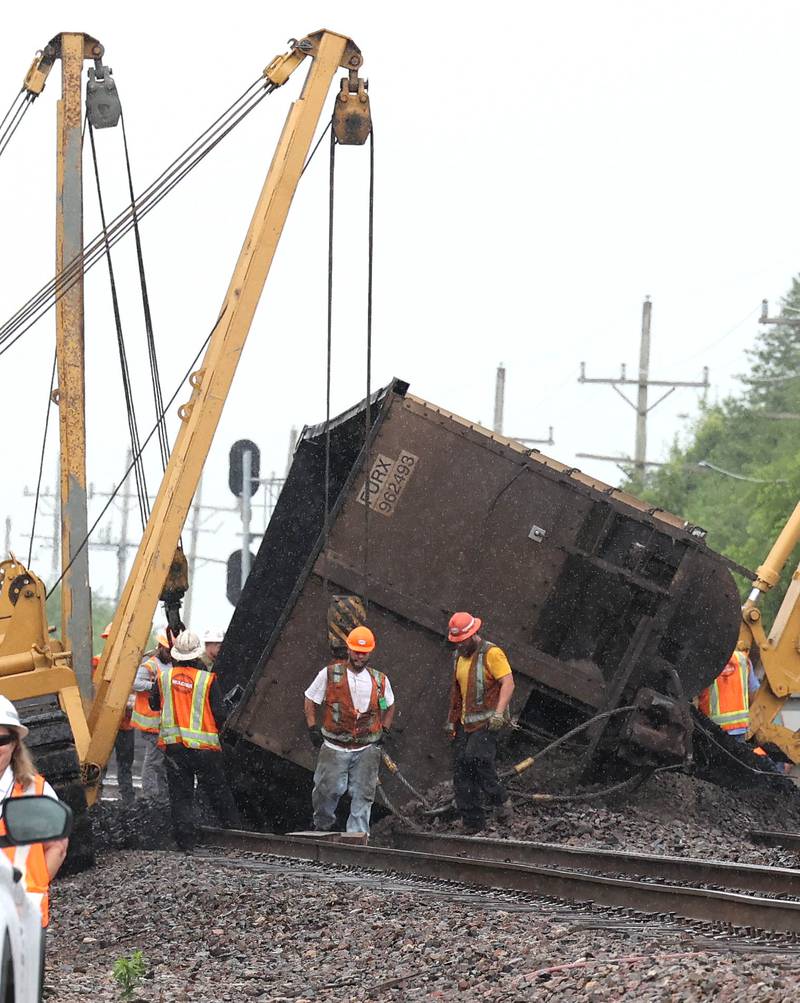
<point>357,712</point>
<point>479,697</point>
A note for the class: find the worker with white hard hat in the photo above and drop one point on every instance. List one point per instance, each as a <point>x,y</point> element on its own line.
<point>40,862</point>
<point>212,639</point>
<point>192,711</point>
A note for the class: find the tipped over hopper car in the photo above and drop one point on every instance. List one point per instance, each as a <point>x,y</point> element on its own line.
<point>599,600</point>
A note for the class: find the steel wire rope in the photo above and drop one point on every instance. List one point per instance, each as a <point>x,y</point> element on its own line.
<point>130,407</point>
<point>730,755</point>
<point>367,408</point>
<point>7,134</point>
<point>150,435</point>
<point>49,294</point>
<point>155,377</point>
<point>326,522</point>
<point>41,457</point>
<point>122,223</point>
<point>16,98</point>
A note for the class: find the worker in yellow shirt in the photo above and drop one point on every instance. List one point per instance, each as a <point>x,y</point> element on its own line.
<point>479,698</point>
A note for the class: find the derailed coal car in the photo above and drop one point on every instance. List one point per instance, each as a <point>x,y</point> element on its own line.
<point>598,600</point>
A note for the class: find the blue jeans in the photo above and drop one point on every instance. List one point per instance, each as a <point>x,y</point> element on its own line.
<point>339,771</point>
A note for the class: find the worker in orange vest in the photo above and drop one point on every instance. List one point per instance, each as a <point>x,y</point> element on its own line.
<point>146,721</point>
<point>124,742</point>
<point>357,712</point>
<point>479,697</point>
<point>192,710</point>
<point>38,863</point>
<point>727,699</point>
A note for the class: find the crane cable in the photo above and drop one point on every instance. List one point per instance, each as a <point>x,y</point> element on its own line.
<point>134,459</point>
<point>41,458</point>
<point>130,407</point>
<point>14,116</point>
<point>367,402</point>
<point>331,189</point>
<point>42,301</point>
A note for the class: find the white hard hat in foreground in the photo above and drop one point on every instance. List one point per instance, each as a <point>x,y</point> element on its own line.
<point>9,716</point>
<point>214,636</point>
<point>186,647</point>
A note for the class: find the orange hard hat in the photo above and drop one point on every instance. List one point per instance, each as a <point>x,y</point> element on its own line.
<point>361,639</point>
<point>462,626</point>
<point>107,631</point>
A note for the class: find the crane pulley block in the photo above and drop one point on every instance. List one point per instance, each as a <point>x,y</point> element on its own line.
<point>103,106</point>
<point>352,120</point>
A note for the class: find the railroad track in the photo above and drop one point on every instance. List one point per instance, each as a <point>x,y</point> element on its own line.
<point>561,873</point>
<point>784,840</point>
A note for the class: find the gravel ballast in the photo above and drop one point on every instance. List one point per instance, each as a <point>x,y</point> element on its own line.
<point>216,932</point>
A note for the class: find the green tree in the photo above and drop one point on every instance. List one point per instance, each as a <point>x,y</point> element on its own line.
<point>751,436</point>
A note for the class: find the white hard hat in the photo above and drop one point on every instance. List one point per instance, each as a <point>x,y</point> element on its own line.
<point>213,635</point>
<point>186,647</point>
<point>9,716</point>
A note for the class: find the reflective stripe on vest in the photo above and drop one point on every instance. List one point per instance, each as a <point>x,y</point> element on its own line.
<point>30,860</point>
<point>144,717</point>
<point>731,709</point>
<point>480,686</point>
<point>336,674</point>
<point>196,733</point>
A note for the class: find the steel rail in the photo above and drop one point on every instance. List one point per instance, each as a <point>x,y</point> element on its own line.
<point>734,909</point>
<point>785,840</point>
<point>744,877</point>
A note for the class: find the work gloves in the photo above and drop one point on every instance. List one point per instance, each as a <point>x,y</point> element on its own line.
<point>496,722</point>
<point>315,735</point>
<point>386,737</point>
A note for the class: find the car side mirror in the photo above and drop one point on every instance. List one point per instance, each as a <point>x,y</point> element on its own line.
<point>35,819</point>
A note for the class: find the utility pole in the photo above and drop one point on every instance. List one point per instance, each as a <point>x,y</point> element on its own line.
<point>7,550</point>
<point>292,445</point>
<point>122,547</point>
<point>499,407</point>
<point>56,521</point>
<point>499,398</point>
<point>247,488</point>
<point>194,532</point>
<point>641,407</point>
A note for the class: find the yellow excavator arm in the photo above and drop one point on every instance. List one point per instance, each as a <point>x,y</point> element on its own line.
<point>211,383</point>
<point>780,651</point>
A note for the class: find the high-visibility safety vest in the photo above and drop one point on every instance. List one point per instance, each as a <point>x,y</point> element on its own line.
<point>341,722</point>
<point>186,717</point>
<point>483,692</point>
<point>143,717</point>
<point>29,860</point>
<point>727,699</point>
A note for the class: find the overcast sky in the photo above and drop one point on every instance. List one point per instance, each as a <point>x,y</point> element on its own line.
<point>540,168</point>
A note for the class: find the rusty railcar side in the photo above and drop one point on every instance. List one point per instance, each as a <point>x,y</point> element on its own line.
<point>592,594</point>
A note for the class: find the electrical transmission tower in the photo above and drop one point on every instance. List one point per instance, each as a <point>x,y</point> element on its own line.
<point>642,407</point>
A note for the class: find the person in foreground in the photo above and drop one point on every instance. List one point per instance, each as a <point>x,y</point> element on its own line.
<point>479,697</point>
<point>357,712</point>
<point>39,862</point>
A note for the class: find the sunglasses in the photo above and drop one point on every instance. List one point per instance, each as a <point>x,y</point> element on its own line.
<point>7,739</point>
